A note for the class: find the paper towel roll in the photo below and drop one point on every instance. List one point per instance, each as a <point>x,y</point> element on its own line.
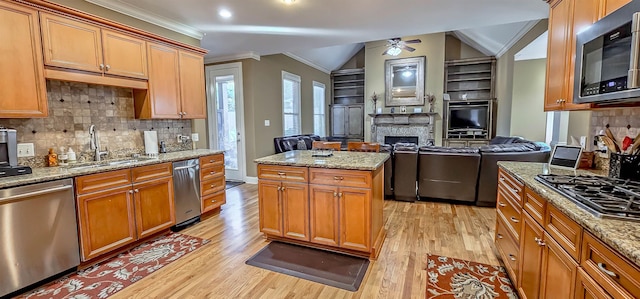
<point>151,142</point>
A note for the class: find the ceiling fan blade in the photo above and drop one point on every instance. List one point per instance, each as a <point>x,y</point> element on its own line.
<point>413,41</point>
<point>408,48</point>
<point>386,52</point>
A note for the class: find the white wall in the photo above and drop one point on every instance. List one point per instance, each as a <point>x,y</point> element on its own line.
<point>528,120</point>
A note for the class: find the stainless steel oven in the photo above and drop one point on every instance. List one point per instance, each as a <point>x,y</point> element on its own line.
<point>607,64</point>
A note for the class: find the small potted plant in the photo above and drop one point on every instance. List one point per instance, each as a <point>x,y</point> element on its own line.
<point>374,100</point>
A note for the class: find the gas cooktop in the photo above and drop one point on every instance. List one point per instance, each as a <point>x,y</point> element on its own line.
<point>604,197</point>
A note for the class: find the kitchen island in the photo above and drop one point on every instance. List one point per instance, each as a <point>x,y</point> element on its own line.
<point>554,248</point>
<point>332,203</point>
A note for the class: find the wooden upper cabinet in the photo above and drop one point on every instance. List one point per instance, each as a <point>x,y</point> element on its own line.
<point>559,22</point>
<point>609,6</point>
<point>22,82</point>
<point>566,19</point>
<point>124,55</point>
<point>71,44</point>
<point>192,90</point>
<point>163,97</point>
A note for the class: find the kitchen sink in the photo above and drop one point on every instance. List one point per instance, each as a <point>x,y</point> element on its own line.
<point>103,164</point>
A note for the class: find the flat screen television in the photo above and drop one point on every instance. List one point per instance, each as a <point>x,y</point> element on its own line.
<point>468,118</point>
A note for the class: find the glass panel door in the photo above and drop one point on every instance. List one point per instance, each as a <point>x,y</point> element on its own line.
<point>226,120</point>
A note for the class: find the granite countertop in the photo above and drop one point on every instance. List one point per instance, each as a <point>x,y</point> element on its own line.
<point>624,236</point>
<point>44,174</point>
<point>339,160</point>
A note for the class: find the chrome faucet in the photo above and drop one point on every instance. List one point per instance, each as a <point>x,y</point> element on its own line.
<point>95,144</point>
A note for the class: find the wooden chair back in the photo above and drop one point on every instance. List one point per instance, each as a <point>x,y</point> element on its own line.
<point>371,147</point>
<point>334,145</point>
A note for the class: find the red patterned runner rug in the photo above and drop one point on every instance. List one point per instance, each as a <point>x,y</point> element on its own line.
<point>105,279</point>
<point>454,278</point>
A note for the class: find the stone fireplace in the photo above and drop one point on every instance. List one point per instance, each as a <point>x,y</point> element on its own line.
<point>403,125</point>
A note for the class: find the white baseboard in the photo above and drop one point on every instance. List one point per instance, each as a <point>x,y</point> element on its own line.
<point>251,180</point>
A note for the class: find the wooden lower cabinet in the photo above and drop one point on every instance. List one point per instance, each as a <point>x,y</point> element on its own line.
<point>531,253</point>
<point>107,221</point>
<point>587,288</point>
<point>324,215</point>
<point>355,218</point>
<point>295,211</point>
<point>558,271</point>
<point>270,207</point>
<point>154,206</point>
<point>113,211</point>
<point>212,182</point>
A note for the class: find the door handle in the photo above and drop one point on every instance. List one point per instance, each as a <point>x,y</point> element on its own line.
<point>107,67</point>
<point>512,257</point>
<point>603,268</point>
<point>501,204</point>
<point>514,220</point>
<point>499,236</point>
<point>184,167</point>
<point>35,193</point>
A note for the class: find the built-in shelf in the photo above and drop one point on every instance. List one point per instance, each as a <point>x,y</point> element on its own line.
<point>470,72</point>
<point>348,87</point>
<point>348,96</point>
<point>347,104</point>
<point>348,81</point>
<point>469,89</point>
<point>469,79</point>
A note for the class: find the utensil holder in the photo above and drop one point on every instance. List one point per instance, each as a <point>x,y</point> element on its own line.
<point>626,167</point>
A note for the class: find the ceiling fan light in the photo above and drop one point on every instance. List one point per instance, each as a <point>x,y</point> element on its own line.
<point>288,1</point>
<point>394,51</point>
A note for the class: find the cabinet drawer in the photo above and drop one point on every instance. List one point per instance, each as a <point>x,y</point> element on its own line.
<point>512,186</point>
<point>283,173</point>
<point>150,172</point>
<point>347,178</point>
<point>212,186</point>
<point>213,201</point>
<point>213,160</point>
<point>535,205</point>
<point>102,181</point>
<point>565,231</point>
<point>212,172</point>
<point>508,248</point>
<point>511,213</point>
<point>615,274</point>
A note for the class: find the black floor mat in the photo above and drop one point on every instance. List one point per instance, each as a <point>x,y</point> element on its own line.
<point>231,184</point>
<point>333,269</point>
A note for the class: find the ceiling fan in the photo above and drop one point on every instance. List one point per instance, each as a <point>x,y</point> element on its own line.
<point>396,45</point>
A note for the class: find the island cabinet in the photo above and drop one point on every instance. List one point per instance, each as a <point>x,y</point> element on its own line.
<point>552,256</point>
<point>22,80</point>
<point>212,182</point>
<point>95,49</point>
<point>333,209</point>
<point>118,207</point>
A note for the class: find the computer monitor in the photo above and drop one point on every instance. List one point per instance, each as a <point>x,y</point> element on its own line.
<point>565,156</point>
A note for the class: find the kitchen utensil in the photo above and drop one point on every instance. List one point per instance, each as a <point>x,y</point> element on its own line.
<point>613,139</point>
<point>609,143</point>
<point>626,143</point>
<point>636,145</point>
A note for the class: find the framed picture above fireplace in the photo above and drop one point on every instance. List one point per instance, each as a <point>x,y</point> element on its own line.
<point>404,81</point>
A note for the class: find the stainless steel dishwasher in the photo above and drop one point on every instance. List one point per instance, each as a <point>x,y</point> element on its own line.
<point>186,190</point>
<point>38,233</point>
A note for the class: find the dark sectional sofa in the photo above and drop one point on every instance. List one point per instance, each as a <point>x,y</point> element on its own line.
<point>290,143</point>
<point>471,174</point>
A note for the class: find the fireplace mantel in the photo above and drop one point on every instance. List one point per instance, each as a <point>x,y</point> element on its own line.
<point>403,124</point>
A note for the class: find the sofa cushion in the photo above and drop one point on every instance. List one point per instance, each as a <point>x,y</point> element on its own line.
<point>442,149</point>
<point>509,147</point>
<point>405,147</point>
<point>506,140</point>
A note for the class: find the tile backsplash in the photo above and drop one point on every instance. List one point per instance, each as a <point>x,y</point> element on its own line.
<point>618,119</point>
<point>74,107</point>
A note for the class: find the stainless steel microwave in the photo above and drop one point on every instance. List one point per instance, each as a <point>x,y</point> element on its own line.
<point>607,68</point>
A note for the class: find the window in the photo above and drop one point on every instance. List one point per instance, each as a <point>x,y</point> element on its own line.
<point>290,104</point>
<point>318,109</point>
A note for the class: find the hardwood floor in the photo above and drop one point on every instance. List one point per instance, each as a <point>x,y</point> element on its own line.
<point>414,229</point>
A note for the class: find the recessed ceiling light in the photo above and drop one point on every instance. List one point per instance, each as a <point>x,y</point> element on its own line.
<point>225,13</point>
<point>288,1</point>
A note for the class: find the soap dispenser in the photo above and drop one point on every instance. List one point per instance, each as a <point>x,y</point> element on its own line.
<point>52,158</point>
<point>71,156</point>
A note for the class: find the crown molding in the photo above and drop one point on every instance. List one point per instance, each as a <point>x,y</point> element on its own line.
<point>141,14</point>
<point>307,62</point>
<point>526,28</point>
<point>240,56</point>
<point>472,43</point>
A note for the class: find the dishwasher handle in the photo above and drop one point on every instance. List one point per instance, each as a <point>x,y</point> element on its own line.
<point>35,193</point>
<point>185,167</point>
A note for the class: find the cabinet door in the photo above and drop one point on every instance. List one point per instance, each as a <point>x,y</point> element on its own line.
<point>194,104</point>
<point>338,121</point>
<point>587,288</point>
<point>124,55</point>
<point>557,64</point>
<point>270,207</point>
<point>325,226</point>
<point>610,6</point>
<point>355,218</point>
<point>558,271</point>
<point>71,44</point>
<point>164,84</point>
<point>530,258</point>
<point>585,13</point>
<point>22,80</point>
<point>154,206</point>
<point>295,211</point>
<point>355,122</point>
<point>107,221</point>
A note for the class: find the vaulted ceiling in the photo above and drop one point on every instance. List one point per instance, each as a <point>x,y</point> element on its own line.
<point>328,32</point>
